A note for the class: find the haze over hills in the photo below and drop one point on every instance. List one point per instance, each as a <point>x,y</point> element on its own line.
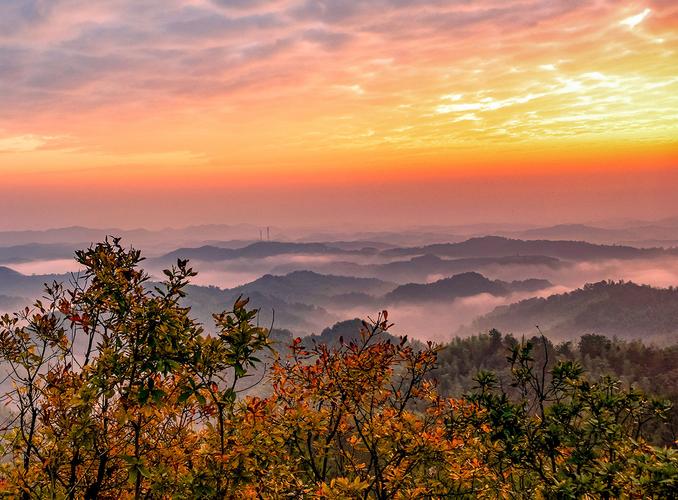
<point>10,304</point>
<point>422,268</point>
<point>301,318</point>
<point>621,309</point>
<point>308,286</point>
<point>579,232</point>
<point>38,251</point>
<point>15,284</point>
<point>477,247</point>
<point>638,234</point>
<point>151,240</point>
<point>606,232</point>
<point>450,279</point>
<point>259,250</point>
<point>630,232</point>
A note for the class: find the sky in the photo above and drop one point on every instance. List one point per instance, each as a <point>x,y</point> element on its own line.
<point>373,113</point>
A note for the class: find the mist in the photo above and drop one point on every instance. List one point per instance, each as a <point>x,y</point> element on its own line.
<point>435,320</point>
<point>56,266</point>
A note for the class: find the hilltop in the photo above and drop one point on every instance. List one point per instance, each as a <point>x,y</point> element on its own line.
<point>621,309</point>
<point>461,285</point>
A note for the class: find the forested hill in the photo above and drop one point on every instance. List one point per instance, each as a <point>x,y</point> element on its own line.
<point>496,246</point>
<point>308,286</point>
<point>649,368</point>
<point>622,309</point>
<point>14,283</point>
<point>259,250</point>
<point>461,285</point>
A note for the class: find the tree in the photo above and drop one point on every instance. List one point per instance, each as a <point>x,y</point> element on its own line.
<point>112,379</point>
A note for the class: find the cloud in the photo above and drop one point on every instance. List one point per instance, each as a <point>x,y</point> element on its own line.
<point>61,46</point>
<point>353,89</point>
<point>200,24</point>
<point>241,4</point>
<point>23,143</point>
<point>520,65</point>
<point>486,104</point>
<point>634,21</point>
<point>16,16</point>
<point>328,39</point>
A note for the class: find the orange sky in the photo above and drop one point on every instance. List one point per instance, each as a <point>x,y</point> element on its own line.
<point>159,112</point>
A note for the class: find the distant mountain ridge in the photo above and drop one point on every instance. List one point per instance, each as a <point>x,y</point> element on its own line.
<point>421,268</point>
<point>146,239</point>
<point>14,283</point>
<point>259,250</point>
<point>638,233</point>
<point>499,246</point>
<point>37,251</point>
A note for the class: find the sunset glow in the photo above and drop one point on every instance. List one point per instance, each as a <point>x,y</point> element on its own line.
<point>299,97</point>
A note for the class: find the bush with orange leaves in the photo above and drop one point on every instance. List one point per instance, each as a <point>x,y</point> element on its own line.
<point>364,418</point>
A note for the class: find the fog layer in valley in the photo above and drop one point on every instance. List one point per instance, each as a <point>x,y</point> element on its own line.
<point>311,283</point>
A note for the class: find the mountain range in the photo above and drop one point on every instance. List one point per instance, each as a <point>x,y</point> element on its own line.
<point>498,246</point>
<point>259,250</point>
<point>423,267</point>
<point>304,286</point>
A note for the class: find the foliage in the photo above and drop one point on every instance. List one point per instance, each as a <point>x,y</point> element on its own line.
<point>114,383</point>
<point>647,368</point>
<point>118,393</point>
<point>564,436</point>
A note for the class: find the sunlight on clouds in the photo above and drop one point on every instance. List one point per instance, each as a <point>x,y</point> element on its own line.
<point>23,143</point>
<point>267,87</point>
<point>486,104</point>
<point>634,21</point>
<point>353,89</point>
<point>468,117</point>
<point>607,105</point>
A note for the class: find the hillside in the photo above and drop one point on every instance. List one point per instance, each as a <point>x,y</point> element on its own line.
<point>622,309</point>
<point>295,301</point>
<point>16,284</point>
<point>299,317</point>
<point>461,285</point>
<point>37,251</point>
<point>308,286</point>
